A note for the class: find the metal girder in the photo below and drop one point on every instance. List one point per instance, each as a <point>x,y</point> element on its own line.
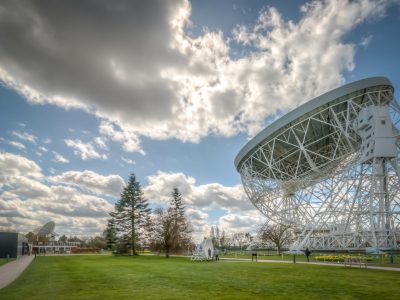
<point>308,175</point>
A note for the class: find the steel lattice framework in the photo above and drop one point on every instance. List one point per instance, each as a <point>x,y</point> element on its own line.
<point>309,170</point>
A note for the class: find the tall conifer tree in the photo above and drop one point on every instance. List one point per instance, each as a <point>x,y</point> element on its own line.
<point>131,213</point>
<point>110,234</point>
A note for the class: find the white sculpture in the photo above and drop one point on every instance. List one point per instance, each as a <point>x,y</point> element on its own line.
<point>204,251</point>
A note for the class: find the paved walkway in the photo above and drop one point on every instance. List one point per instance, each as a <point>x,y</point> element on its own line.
<point>308,263</point>
<point>10,271</point>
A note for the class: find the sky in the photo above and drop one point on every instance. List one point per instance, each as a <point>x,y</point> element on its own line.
<point>92,91</point>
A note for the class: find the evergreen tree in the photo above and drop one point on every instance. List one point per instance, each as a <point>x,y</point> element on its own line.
<point>178,209</point>
<point>131,214</point>
<point>180,227</point>
<point>110,234</point>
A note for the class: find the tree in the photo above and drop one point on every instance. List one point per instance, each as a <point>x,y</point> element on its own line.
<point>110,234</point>
<point>163,231</point>
<point>32,237</point>
<point>172,230</point>
<point>131,214</point>
<point>242,239</point>
<point>63,238</point>
<point>280,235</point>
<point>97,242</point>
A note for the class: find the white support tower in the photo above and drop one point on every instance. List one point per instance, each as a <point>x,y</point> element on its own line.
<point>330,169</point>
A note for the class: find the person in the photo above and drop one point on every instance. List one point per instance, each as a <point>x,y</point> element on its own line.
<point>254,255</point>
<point>307,253</point>
<point>209,253</point>
<point>216,253</point>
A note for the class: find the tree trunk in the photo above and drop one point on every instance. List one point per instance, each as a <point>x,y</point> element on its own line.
<point>133,252</point>
<point>167,252</point>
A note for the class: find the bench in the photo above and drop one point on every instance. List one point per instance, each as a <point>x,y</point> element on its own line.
<point>354,261</point>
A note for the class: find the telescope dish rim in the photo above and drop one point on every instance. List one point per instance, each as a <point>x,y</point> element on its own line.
<point>305,109</point>
<point>47,228</point>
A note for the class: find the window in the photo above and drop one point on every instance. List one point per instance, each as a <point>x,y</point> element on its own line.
<point>383,122</point>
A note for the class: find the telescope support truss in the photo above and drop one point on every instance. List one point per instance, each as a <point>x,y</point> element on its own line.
<point>328,177</point>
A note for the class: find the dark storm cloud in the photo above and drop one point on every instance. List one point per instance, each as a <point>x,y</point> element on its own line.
<point>105,53</point>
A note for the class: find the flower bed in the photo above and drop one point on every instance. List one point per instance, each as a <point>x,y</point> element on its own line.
<point>341,258</point>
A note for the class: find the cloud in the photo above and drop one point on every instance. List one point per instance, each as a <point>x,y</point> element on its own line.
<point>162,83</point>
<point>236,223</point>
<point>12,165</point>
<point>59,158</point>
<point>75,199</point>
<point>130,140</point>
<point>101,143</point>
<point>28,188</point>
<point>68,208</point>
<point>199,222</point>
<point>27,201</point>
<point>201,201</point>
<point>110,185</point>
<point>206,196</point>
<point>84,150</point>
<point>18,145</point>
<point>159,187</point>
<point>15,144</point>
<point>366,41</point>
<point>128,161</point>
<point>25,136</point>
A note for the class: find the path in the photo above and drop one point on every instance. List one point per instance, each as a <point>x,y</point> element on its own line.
<point>10,271</point>
<point>308,263</point>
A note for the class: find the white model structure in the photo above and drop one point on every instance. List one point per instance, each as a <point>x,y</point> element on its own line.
<point>330,169</point>
<point>204,251</point>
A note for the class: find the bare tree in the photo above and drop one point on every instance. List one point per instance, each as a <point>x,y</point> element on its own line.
<point>171,228</point>
<point>278,234</point>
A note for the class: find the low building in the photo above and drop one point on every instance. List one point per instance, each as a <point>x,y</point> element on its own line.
<point>13,245</point>
<point>54,247</point>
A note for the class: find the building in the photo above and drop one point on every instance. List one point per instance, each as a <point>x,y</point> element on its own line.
<point>13,245</point>
<point>54,247</point>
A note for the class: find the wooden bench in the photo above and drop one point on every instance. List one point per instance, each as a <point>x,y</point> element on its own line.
<point>354,261</point>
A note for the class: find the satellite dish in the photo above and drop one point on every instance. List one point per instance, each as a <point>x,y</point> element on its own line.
<point>330,169</point>
<point>47,229</point>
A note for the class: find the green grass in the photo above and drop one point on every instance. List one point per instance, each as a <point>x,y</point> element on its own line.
<point>285,257</point>
<point>377,260</point>
<point>152,277</point>
<point>3,261</point>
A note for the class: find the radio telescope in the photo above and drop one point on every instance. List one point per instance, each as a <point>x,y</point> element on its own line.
<point>47,230</point>
<point>330,169</point>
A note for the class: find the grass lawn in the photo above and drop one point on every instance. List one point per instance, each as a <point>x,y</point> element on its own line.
<point>152,277</point>
<point>377,260</point>
<point>3,261</point>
